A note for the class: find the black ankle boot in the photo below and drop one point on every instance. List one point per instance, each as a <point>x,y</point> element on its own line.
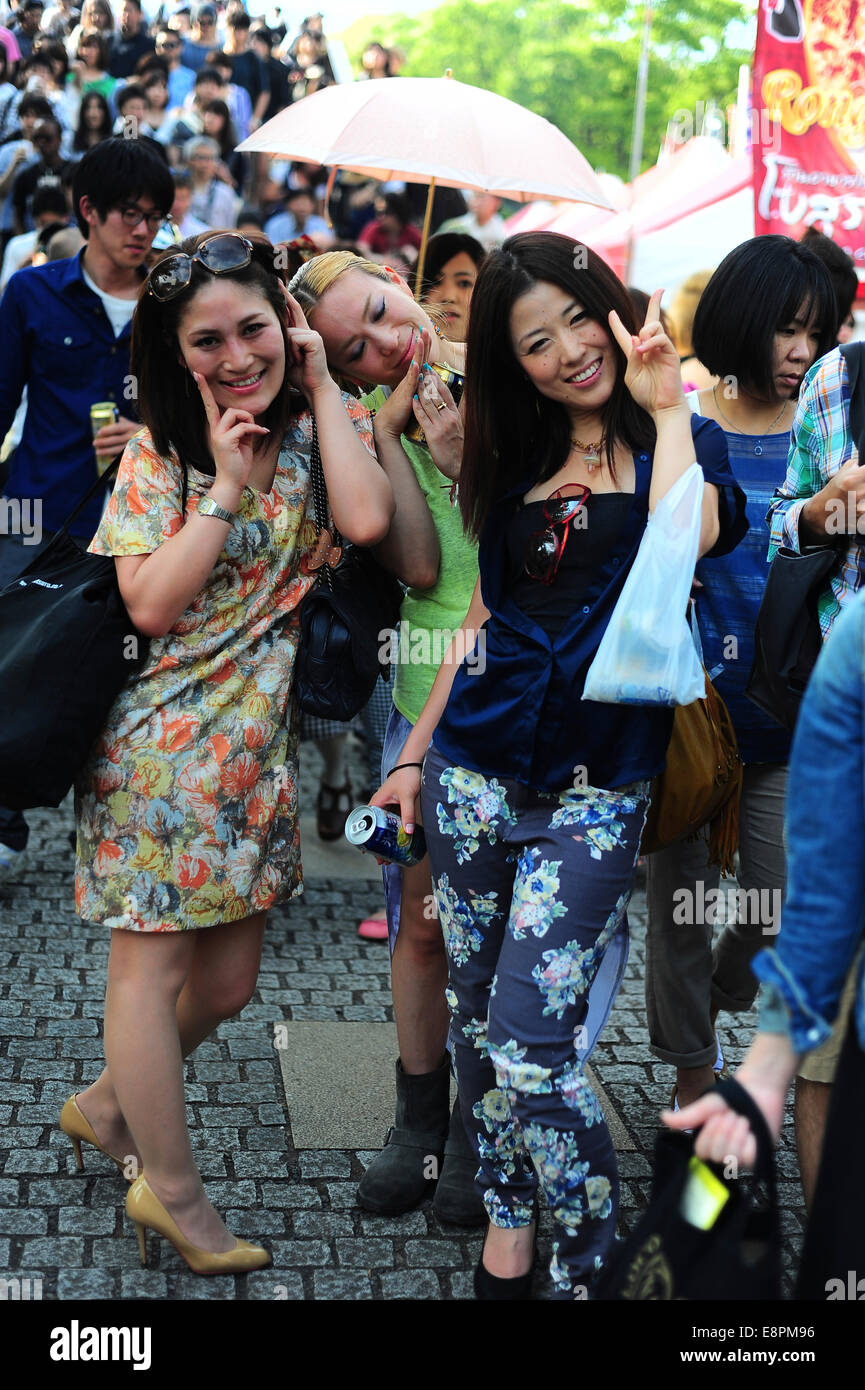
<point>456,1198</point>
<point>406,1169</point>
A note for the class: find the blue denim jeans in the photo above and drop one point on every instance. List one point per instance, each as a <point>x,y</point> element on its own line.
<point>532,890</point>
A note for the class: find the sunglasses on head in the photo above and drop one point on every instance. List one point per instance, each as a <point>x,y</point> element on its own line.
<point>545,548</point>
<point>219,254</point>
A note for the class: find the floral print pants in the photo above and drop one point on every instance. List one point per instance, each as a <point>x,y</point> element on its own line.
<point>531,889</point>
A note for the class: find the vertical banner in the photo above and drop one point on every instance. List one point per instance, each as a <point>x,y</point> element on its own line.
<point>808,120</point>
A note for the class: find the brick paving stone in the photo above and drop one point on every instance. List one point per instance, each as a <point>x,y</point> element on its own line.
<point>325,1164</point>
<point>54,1251</point>
<point>433,1252</point>
<point>86,1283</point>
<point>332,1284</point>
<point>22,1223</point>
<point>411,1283</point>
<point>301,1252</point>
<point>81,1221</point>
<point>411,1223</point>
<point>365,1253</point>
<point>146,1283</point>
<point>281,1286</point>
<point>69,1229</point>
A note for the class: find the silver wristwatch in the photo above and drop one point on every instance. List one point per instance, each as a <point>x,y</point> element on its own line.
<point>208,507</point>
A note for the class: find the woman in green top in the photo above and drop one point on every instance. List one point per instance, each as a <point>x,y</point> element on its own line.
<point>376,335</point>
<point>90,67</point>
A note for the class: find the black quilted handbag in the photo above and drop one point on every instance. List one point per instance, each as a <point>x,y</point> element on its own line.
<point>344,619</point>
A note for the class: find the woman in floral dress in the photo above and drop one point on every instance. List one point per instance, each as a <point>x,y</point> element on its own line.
<point>533,801</point>
<point>187,812</point>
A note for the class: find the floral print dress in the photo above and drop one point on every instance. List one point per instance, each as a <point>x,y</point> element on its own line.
<point>187,810</point>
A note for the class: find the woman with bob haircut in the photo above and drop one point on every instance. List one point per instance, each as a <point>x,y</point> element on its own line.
<point>450,272</point>
<point>766,315</point>
<point>533,802</point>
<point>187,812</point>
<point>378,336</point>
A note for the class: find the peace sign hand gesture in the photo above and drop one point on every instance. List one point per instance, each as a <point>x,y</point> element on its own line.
<point>232,437</point>
<point>653,375</point>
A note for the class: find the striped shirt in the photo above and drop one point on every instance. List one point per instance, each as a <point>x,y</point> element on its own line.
<point>820,444</point>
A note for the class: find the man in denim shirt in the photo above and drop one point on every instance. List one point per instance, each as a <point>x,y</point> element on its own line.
<point>822,929</point>
<point>64,336</point>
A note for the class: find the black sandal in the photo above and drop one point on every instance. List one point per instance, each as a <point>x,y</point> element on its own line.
<point>331,810</point>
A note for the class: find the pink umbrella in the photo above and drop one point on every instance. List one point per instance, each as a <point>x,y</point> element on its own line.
<point>432,130</point>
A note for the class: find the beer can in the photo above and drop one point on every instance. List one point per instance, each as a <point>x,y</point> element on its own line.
<point>454,381</point>
<point>381,833</point>
<point>102,413</point>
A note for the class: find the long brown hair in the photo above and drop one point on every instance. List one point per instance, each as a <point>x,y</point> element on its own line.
<point>512,432</point>
<point>169,401</point>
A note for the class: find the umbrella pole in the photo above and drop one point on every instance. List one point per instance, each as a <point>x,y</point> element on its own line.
<point>421,255</point>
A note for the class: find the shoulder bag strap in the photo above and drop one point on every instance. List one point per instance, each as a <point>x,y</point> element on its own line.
<point>320,502</point>
<point>91,492</point>
<point>852,354</point>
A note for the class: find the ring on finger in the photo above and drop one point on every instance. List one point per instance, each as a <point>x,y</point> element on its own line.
<point>439,403</point>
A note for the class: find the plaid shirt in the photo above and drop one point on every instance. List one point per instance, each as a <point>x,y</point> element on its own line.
<point>820,444</point>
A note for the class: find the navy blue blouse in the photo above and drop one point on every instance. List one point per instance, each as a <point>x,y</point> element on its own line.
<point>517,713</point>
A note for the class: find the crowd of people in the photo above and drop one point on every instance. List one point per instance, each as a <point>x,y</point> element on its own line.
<point>239,334</point>
<point>197,79</point>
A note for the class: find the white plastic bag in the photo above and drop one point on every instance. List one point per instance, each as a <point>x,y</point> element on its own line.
<point>647,654</point>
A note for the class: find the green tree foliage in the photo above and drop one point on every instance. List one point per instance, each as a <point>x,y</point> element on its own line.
<point>576,64</point>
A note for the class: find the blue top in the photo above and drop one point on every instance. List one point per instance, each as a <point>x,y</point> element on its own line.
<point>517,713</point>
<point>56,339</point>
<point>823,918</point>
<point>729,601</point>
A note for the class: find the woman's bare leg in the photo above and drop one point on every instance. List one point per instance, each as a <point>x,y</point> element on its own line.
<point>165,995</point>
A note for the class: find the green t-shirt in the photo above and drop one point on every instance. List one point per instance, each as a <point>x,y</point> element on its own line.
<point>429,617</point>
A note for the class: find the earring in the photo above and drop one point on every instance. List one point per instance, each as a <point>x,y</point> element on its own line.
<point>186,379</point>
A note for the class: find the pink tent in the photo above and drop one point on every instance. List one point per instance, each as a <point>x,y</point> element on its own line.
<point>666,230</point>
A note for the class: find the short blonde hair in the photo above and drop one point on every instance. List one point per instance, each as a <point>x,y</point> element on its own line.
<point>683,308</point>
<point>318,274</point>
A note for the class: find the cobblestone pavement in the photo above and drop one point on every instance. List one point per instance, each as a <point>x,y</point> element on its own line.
<point>69,1230</point>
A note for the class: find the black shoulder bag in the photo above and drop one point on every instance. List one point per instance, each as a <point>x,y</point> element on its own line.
<point>666,1258</point>
<point>342,618</point>
<point>67,648</point>
<point>787,637</point>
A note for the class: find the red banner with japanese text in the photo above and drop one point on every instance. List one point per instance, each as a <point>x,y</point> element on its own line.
<point>808,120</point>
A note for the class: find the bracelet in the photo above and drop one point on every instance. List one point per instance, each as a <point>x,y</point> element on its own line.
<point>207,507</point>
<point>402,765</point>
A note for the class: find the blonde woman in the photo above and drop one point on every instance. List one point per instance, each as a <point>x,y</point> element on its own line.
<point>376,335</point>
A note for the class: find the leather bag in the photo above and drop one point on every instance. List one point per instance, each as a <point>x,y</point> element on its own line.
<point>341,652</point>
<point>701,782</point>
<point>67,648</point>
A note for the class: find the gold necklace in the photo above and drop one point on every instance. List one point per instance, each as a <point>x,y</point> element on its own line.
<point>591,453</point>
<point>758,447</point>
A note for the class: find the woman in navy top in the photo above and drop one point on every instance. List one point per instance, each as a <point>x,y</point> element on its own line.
<point>533,801</point>
<point>764,317</point>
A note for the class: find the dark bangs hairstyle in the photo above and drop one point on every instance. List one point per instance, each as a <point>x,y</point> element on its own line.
<point>442,248</point>
<point>512,432</point>
<point>119,171</point>
<point>169,402</point>
<point>757,290</point>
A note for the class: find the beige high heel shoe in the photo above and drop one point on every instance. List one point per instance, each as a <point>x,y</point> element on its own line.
<point>144,1208</point>
<point>78,1128</point>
